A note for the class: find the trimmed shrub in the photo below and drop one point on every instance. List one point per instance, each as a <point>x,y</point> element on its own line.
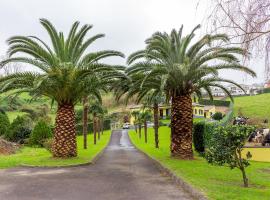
<point>198,136</point>
<point>214,102</point>
<point>4,124</point>
<point>217,116</point>
<point>40,133</point>
<point>20,129</point>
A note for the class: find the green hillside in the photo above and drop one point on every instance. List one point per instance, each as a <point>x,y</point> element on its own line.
<point>253,106</point>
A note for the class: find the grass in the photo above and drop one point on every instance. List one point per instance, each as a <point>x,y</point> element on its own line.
<point>42,157</point>
<point>219,183</point>
<point>253,106</point>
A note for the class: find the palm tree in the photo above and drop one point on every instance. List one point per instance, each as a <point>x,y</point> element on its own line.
<point>63,70</point>
<point>96,109</point>
<point>135,114</point>
<point>186,67</point>
<point>145,116</point>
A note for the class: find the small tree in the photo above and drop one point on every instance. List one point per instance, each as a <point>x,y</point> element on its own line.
<point>217,116</point>
<point>4,124</point>
<point>225,148</point>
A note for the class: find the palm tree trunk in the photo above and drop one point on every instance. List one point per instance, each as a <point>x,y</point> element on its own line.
<point>181,133</point>
<point>156,124</point>
<point>85,121</point>
<point>145,131</point>
<point>98,128</point>
<point>64,141</point>
<point>95,128</point>
<point>140,131</point>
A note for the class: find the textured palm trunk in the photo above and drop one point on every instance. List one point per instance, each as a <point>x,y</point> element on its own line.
<point>181,133</point>
<point>95,128</point>
<point>145,131</point>
<point>156,124</point>
<point>85,121</point>
<point>64,141</point>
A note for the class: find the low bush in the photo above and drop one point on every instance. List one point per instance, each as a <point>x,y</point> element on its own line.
<point>4,124</point>
<point>40,133</point>
<point>20,129</point>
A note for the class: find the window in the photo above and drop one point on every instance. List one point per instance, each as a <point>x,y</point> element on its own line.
<point>195,111</point>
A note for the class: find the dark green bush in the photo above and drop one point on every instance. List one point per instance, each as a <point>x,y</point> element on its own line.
<point>217,116</point>
<point>20,129</point>
<point>32,112</point>
<point>198,136</point>
<point>4,124</point>
<point>214,102</point>
<point>40,133</point>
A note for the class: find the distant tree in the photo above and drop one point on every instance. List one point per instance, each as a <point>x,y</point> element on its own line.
<point>135,114</point>
<point>226,146</point>
<point>145,116</point>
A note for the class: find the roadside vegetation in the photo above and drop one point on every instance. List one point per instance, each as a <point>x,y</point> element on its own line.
<point>215,181</point>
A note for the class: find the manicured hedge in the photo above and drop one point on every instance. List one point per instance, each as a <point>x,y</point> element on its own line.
<point>214,102</point>
<point>198,136</point>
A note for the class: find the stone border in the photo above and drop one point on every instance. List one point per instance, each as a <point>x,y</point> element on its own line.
<point>187,187</point>
<point>93,161</point>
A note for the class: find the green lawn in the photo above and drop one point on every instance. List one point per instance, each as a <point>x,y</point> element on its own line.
<point>42,157</point>
<point>218,183</point>
<point>253,106</point>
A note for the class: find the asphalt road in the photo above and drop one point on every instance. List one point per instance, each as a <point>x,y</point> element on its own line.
<point>121,173</point>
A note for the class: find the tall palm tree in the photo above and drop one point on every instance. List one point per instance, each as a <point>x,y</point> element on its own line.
<point>186,67</point>
<point>63,70</point>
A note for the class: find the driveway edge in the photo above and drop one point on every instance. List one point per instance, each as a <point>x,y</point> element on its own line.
<point>187,187</point>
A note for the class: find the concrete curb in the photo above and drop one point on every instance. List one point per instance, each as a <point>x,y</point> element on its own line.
<point>193,192</point>
<point>93,161</point>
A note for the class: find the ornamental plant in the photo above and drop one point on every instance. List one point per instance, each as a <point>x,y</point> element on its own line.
<point>226,146</point>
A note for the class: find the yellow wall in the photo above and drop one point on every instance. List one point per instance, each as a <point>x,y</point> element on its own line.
<point>198,111</point>
<point>210,112</point>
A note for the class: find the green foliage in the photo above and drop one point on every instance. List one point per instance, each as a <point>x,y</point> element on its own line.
<point>47,144</point>
<point>68,71</point>
<point>198,136</point>
<point>40,133</point>
<point>20,129</point>
<point>216,182</point>
<point>226,145</point>
<point>4,124</point>
<point>217,116</point>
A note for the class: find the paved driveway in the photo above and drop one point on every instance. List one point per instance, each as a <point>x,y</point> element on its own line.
<point>121,173</point>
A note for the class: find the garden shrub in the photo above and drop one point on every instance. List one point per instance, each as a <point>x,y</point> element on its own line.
<point>217,116</point>
<point>40,133</point>
<point>20,129</point>
<point>226,145</point>
<point>47,144</point>
<point>4,124</point>
<point>198,136</point>
<point>32,112</point>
